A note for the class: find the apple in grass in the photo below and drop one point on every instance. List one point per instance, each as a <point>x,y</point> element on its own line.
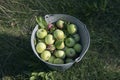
<point>59,44</point>
<point>51,59</point>
<point>60,23</point>
<point>60,54</point>
<point>70,52</point>
<point>45,55</point>
<point>58,61</point>
<point>58,34</point>
<point>77,47</point>
<point>71,28</point>
<point>49,39</point>
<point>40,47</point>
<point>41,33</point>
<point>76,37</point>
<point>70,42</point>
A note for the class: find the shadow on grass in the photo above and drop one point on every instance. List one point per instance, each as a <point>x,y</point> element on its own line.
<point>17,57</point>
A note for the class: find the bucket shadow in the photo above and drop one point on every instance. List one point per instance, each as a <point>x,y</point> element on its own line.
<point>17,57</point>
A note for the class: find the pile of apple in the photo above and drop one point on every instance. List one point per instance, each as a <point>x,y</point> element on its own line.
<point>57,43</point>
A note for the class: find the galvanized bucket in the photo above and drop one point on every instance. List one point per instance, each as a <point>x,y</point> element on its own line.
<point>82,30</point>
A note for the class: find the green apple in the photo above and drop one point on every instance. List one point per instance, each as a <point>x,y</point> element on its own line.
<point>70,52</point>
<point>58,61</point>
<point>70,42</point>
<point>71,28</point>
<point>41,33</point>
<point>65,48</point>
<point>60,23</point>
<point>49,39</point>
<point>76,37</point>
<point>68,60</point>
<point>58,34</point>
<point>51,59</point>
<point>59,44</point>
<point>60,54</point>
<point>77,47</point>
<point>40,47</point>
<point>45,55</point>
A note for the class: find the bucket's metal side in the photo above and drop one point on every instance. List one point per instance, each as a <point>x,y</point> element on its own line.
<point>60,67</point>
<point>85,37</point>
<point>32,40</point>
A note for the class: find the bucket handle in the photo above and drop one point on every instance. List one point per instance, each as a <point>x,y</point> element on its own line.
<point>79,58</point>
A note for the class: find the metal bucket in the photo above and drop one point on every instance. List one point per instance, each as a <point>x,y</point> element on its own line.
<point>82,30</point>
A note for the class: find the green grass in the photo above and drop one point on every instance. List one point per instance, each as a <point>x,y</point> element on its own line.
<point>17,20</point>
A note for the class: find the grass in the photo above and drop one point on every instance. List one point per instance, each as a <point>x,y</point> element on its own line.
<point>17,20</point>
